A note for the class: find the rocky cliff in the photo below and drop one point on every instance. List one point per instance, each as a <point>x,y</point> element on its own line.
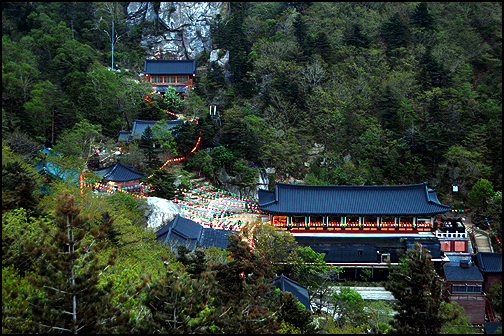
<point>186,27</point>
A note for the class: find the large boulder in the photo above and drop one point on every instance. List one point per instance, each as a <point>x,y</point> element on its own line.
<point>162,211</point>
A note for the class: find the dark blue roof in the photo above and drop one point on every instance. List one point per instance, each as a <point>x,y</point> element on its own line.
<point>491,327</point>
<point>188,232</point>
<point>405,200</point>
<point>287,285</point>
<point>139,127</point>
<point>118,173</point>
<point>124,136</point>
<point>170,67</point>
<point>489,262</point>
<point>214,237</point>
<point>456,272</point>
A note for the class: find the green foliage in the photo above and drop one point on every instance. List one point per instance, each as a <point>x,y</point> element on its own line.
<point>494,294</point>
<point>349,307</point>
<point>458,321</point>
<point>77,141</point>
<point>68,266</point>
<point>19,183</point>
<point>180,304</point>
<point>418,291</point>
<point>481,193</point>
<point>422,17</point>
<point>19,229</point>
<point>164,137</point>
<point>147,144</point>
<point>162,184</point>
<point>172,101</point>
<point>16,292</point>
<point>275,245</point>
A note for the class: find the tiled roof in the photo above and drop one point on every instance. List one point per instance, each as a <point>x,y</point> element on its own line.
<point>139,126</point>
<point>405,200</point>
<point>118,172</point>
<point>170,67</point>
<point>185,231</point>
<point>489,262</point>
<point>214,237</point>
<point>287,285</point>
<point>124,136</point>
<point>462,273</point>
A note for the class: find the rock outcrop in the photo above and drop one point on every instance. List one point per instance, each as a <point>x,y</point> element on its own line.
<point>187,27</point>
<point>261,182</point>
<point>162,211</point>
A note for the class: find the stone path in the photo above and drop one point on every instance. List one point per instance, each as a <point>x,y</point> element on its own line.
<point>481,237</point>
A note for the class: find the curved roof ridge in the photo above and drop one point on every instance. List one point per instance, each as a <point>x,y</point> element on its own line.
<point>417,185</point>
<point>299,199</point>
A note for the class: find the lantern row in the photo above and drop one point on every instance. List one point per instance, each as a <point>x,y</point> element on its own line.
<point>495,235</point>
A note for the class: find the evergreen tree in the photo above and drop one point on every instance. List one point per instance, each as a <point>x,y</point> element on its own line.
<point>419,292</point>
<point>394,31</point>
<point>19,186</point>
<point>147,144</point>
<point>239,49</point>
<point>304,39</point>
<point>179,304</point>
<point>421,17</point>
<point>162,184</point>
<point>356,38</point>
<point>432,73</point>
<point>243,290</point>
<point>323,48</point>
<point>69,272</point>
<point>387,106</point>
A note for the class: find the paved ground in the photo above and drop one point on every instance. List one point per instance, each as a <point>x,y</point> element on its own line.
<point>481,237</point>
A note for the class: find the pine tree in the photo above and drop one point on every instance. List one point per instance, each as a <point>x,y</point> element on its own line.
<point>69,272</point>
<point>243,290</point>
<point>304,39</point>
<point>147,143</point>
<point>357,38</point>
<point>421,17</point>
<point>394,31</point>
<point>19,184</point>
<point>419,292</point>
<point>162,184</point>
<point>432,73</point>
<point>179,304</point>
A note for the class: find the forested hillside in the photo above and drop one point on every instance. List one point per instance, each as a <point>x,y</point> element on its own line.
<point>394,93</point>
<point>346,93</point>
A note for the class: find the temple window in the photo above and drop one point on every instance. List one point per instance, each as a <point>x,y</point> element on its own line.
<point>334,220</point>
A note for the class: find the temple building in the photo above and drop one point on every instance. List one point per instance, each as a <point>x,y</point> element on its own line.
<point>120,176</point>
<point>162,74</point>
<point>359,228</point>
<point>352,209</point>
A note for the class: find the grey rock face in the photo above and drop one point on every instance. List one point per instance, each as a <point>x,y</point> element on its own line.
<point>187,27</point>
<point>141,11</point>
<point>162,211</point>
<point>261,182</point>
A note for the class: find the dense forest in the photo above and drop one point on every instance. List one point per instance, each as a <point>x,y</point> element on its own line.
<point>366,93</point>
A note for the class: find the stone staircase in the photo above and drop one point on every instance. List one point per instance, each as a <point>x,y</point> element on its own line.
<point>482,241</point>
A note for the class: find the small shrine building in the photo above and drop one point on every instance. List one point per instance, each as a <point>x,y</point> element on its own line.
<point>119,175</point>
